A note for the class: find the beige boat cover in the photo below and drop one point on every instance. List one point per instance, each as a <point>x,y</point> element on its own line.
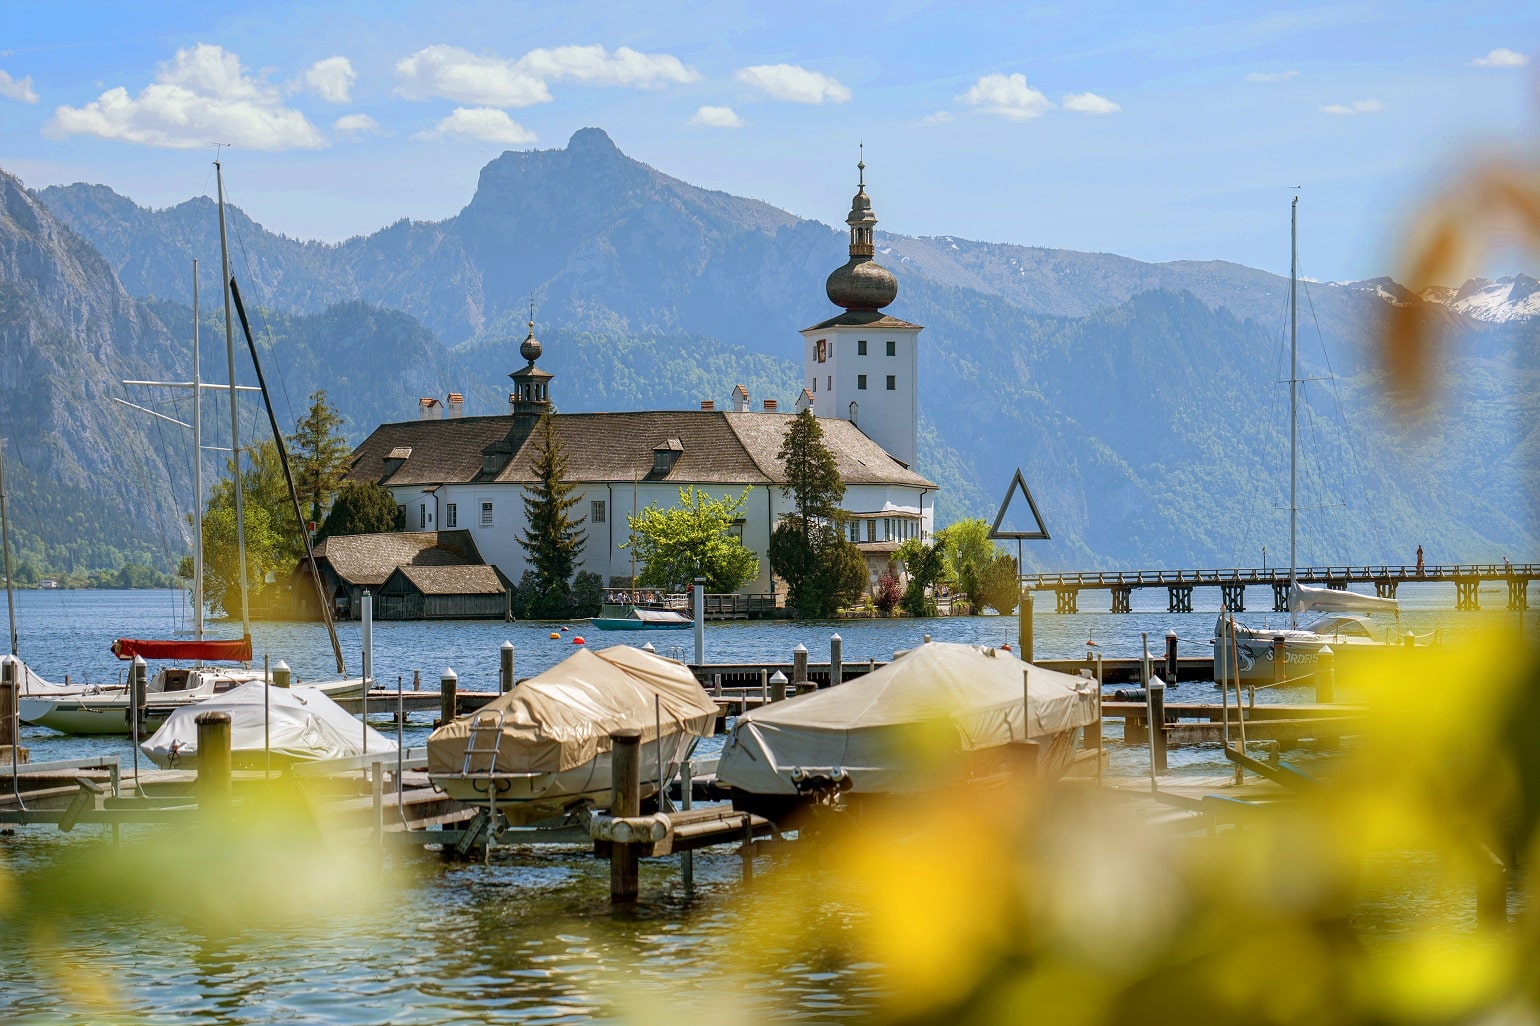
<point>563,718</point>
<point>895,729</point>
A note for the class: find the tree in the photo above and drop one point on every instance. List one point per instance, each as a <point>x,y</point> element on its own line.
<point>273,541</point>
<point>362,507</point>
<point>924,564</point>
<point>807,549</point>
<point>691,540</point>
<point>552,539</point>
<point>889,592</point>
<point>320,456</point>
<point>999,584</point>
<point>812,476</point>
<point>966,550</point>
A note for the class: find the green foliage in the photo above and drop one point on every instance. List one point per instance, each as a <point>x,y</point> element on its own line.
<point>890,591</point>
<point>999,585</point>
<point>221,560</point>
<point>923,562</point>
<point>812,478</point>
<point>822,570</point>
<point>691,540</point>
<point>587,594</point>
<point>319,456</point>
<point>362,507</point>
<point>553,540</point>
<point>966,551</point>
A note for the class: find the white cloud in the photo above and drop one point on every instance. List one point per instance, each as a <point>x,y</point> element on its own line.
<point>1009,96</point>
<point>1502,57</point>
<point>201,96</point>
<point>1356,107</point>
<point>357,124</point>
<point>1272,76</point>
<point>793,84</point>
<point>449,72</point>
<point>1089,103</point>
<point>331,79</point>
<point>717,117</point>
<point>17,88</point>
<point>941,117</point>
<point>486,124</point>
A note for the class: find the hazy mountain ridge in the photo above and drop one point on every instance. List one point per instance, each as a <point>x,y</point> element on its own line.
<point>1141,400</point>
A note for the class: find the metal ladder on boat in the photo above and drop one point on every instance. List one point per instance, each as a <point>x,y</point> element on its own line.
<point>484,739</point>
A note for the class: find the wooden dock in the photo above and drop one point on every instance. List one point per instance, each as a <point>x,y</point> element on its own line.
<point>1206,723</point>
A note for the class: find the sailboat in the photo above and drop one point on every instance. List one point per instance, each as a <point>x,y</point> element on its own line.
<point>174,687</point>
<point>1244,653</point>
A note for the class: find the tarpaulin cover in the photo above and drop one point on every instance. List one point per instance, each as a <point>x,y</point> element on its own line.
<point>302,725</point>
<point>891,729</point>
<point>563,717</point>
<point>184,651</point>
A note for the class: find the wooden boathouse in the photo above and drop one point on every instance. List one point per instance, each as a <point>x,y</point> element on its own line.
<point>443,593</point>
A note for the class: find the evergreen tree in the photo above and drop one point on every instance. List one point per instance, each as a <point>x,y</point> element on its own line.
<point>812,477</point>
<point>320,456</point>
<point>362,507</point>
<point>552,539</point>
<point>807,549</point>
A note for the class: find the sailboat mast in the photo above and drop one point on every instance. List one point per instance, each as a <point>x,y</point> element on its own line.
<point>235,445</point>
<point>1293,393</point>
<point>197,429</point>
<point>5,542</point>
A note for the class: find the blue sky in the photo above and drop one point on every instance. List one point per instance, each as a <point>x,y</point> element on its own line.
<point>1157,131</point>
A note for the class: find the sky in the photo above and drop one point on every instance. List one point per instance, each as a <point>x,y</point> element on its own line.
<point>1156,131</point>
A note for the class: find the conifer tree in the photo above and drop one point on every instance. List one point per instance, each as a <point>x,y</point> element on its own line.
<point>320,456</point>
<point>808,550</point>
<point>552,539</point>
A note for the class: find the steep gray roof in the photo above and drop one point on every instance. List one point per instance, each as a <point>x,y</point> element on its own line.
<point>368,559</point>
<point>719,447</point>
<point>453,580</point>
<point>874,319</point>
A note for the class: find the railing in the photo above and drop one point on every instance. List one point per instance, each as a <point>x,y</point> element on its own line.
<point>1363,573</point>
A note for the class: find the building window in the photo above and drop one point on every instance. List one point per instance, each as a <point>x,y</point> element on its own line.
<point>821,350</point>
<point>596,511</point>
<point>871,530</point>
<point>452,513</point>
<point>735,530</point>
<point>486,514</point>
<point>892,348</point>
<point>422,514</point>
<point>860,380</point>
<point>815,384</point>
<point>855,530</point>
<point>829,384</point>
<point>892,383</point>
<point>861,347</point>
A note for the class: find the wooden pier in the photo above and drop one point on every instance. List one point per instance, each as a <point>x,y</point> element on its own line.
<point>1467,579</point>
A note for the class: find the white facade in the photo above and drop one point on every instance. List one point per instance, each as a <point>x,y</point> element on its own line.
<point>874,367</point>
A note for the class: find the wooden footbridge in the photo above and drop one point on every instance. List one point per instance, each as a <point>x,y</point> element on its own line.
<point>1179,584</point>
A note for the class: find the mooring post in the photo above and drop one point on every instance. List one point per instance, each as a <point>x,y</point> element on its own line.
<point>700,621</point>
<point>764,686</point>
<point>836,662</point>
<point>214,792</point>
<point>625,801</point>
<point>377,794</point>
<point>799,667</point>
<point>282,676</point>
<point>1145,669</point>
<point>1024,626</point>
<point>778,687</point>
<point>687,797</point>
<point>136,696</point>
<point>1326,675</point>
<point>8,703</point>
<point>1157,700</point>
<point>1171,657</point>
<point>1024,753</point>
<point>505,667</point>
<point>448,681</point>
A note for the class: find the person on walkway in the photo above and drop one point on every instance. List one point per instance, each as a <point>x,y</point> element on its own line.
<point>1419,561</point>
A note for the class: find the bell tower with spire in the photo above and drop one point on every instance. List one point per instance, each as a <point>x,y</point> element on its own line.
<point>531,395</point>
<point>862,365</point>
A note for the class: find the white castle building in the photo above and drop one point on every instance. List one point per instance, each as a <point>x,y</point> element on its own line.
<point>451,472</point>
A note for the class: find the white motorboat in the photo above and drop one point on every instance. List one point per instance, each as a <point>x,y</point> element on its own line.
<point>269,726</point>
<point>543,749</point>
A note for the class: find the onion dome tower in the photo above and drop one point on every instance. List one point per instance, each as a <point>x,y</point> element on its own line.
<point>531,395</point>
<point>862,283</point>
<point>862,365</point>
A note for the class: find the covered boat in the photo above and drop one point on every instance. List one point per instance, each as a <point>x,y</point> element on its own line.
<point>940,713</point>
<point>544,748</point>
<point>1247,653</point>
<point>640,618</point>
<point>298,724</point>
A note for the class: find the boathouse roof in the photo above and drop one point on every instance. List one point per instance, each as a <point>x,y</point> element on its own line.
<point>368,559</point>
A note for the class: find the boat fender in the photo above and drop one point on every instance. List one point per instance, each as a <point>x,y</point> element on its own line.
<point>554,635</point>
<point>577,639</point>
<point>1005,647</point>
<point>1130,695</point>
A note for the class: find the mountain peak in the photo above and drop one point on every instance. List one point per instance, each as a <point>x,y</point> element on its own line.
<point>595,141</point>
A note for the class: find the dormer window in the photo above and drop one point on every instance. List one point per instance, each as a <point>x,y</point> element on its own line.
<point>665,455</point>
<point>397,456</point>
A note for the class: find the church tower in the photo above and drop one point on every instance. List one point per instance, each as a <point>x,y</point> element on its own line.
<point>531,395</point>
<point>861,365</point>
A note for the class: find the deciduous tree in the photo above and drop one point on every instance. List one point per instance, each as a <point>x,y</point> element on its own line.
<point>692,540</point>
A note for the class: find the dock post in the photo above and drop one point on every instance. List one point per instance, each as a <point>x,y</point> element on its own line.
<point>625,801</point>
<point>1146,669</point>
<point>799,667</point>
<point>136,696</point>
<point>1157,703</point>
<point>1024,626</point>
<point>282,676</point>
<point>778,687</point>
<point>700,621</point>
<point>1326,675</point>
<point>1171,657</point>
<point>505,667</point>
<point>448,681</point>
<point>687,798</point>
<point>214,791</point>
<point>377,793</point>
<point>836,662</point>
<point>9,705</point>
<point>764,686</point>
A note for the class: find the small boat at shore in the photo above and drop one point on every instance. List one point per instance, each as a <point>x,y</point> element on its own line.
<point>543,749</point>
<point>269,726</point>
<point>939,714</point>
<point>628,617</point>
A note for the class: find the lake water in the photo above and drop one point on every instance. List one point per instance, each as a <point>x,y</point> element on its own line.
<point>528,938</point>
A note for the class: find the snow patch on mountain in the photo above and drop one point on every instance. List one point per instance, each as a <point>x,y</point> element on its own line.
<point>1514,298</point>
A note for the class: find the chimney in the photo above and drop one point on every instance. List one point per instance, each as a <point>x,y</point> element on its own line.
<point>456,405</point>
<point>429,408</point>
<point>740,399</point>
<point>769,405</point>
<point>708,405</point>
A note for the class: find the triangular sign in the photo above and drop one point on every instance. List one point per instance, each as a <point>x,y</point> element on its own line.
<point>1041,534</point>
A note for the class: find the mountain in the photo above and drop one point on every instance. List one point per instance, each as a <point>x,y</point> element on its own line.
<point>1142,401</point>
